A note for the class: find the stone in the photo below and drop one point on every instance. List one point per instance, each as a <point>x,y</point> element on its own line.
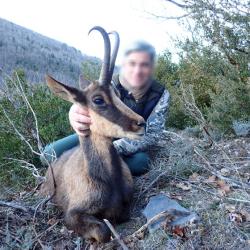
<point>161,203</point>
<point>242,128</point>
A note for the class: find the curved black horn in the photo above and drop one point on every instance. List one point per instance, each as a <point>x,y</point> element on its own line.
<point>114,53</point>
<point>104,75</point>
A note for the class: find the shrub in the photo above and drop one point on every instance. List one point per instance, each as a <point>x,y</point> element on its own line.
<point>220,91</point>
<point>91,69</point>
<point>52,117</point>
<point>229,104</point>
<point>166,72</point>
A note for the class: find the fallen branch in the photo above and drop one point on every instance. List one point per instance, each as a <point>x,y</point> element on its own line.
<point>154,181</point>
<point>216,195</point>
<point>136,235</point>
<point>167,214</point>
<point>16,206</point>
<point>117,236</point>
<point>12,236</point>
<point>210,169</point>
<point>38,236</point>
<point>145,226</point>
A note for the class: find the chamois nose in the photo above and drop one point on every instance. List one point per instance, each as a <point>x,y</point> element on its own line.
<point>141,124</point>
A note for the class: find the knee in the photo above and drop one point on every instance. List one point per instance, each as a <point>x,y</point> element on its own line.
<point>138,163</point>
<point>141,158</point>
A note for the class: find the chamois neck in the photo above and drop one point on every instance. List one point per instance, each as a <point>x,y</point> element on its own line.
<point>101,159</point>
<point>99,143</point>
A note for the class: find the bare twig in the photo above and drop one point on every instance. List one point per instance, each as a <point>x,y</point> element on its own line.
<point>145,226</point>
<point>39,153</point>
<point>32,111</point>
<point>164,214</point>
<point>190,105</point>
<point>117,236</point>
<point>45,231</point>
<point>194,111</point>
<point>154,181</point>
<point>29,166</point>
<point>210,169</point>
<point>216,195</point>
<point>16,206</point>
<point>12,236</point>
<point>18,132</point>
<point>180,5</point>
<point>168,17</point>
<point>138,233</point>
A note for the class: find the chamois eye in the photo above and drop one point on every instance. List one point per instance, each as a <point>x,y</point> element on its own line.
<point>98,101</point>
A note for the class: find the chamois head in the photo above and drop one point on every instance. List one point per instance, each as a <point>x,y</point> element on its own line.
<point>110,116</point>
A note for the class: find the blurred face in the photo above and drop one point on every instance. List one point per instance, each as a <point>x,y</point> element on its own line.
<point>137,68</point>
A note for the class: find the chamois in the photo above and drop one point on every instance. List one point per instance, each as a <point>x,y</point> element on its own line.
<point>91,181</point>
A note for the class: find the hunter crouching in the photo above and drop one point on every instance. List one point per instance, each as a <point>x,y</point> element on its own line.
<point>136,88</point>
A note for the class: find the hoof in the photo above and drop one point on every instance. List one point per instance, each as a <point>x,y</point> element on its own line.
<point>98,233</point>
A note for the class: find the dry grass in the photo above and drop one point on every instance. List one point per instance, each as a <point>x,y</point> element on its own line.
<point>183,162</point>
<point>216,207</point>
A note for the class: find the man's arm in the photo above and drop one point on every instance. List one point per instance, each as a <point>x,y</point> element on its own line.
<point>154,127</point>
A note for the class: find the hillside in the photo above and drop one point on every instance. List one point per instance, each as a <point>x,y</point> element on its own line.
<point>38,54</point>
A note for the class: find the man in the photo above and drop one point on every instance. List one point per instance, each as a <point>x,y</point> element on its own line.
<point>140,92</point>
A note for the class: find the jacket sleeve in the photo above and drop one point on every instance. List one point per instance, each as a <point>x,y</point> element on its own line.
<point>154,127</point>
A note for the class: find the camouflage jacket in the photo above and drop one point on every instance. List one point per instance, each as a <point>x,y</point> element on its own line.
<point>155,124</point>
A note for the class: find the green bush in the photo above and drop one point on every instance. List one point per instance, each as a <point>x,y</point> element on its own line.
<point>220,91</point>
<point>213,61</point>
<point>91,69</point>
<point>52,117</point>
<point>230,104</point>
<point>166,72</point>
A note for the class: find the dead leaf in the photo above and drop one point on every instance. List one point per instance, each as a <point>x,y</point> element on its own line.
<point>52,221</point>
<point>238,216</point>
<point>245,215</point>
<point>211,180</point>
<point>184,186</point>
<point>194,177</point>
<point>223,187</point>
<point>221,183</point>
<point>235,217</point>
<point>179,231</point>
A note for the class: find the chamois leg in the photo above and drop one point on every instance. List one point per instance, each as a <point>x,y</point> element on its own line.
<point>124,214</point>
<point>118,215</point>
<point>87,226</point>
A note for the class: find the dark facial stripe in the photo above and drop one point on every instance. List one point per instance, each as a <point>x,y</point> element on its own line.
<point>117,112</point>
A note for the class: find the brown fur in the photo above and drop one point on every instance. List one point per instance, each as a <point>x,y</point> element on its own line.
<point>92,181</point>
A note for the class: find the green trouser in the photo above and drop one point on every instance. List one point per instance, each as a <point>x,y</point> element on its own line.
<point>138,163</point>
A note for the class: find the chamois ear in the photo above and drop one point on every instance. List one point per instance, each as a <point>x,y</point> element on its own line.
<point>67,93</point>
<point>83,82</point>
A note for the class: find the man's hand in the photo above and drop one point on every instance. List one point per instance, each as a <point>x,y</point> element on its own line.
<point>79,119</point>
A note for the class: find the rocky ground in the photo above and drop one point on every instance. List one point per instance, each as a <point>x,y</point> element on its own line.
<point>212,180</point>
